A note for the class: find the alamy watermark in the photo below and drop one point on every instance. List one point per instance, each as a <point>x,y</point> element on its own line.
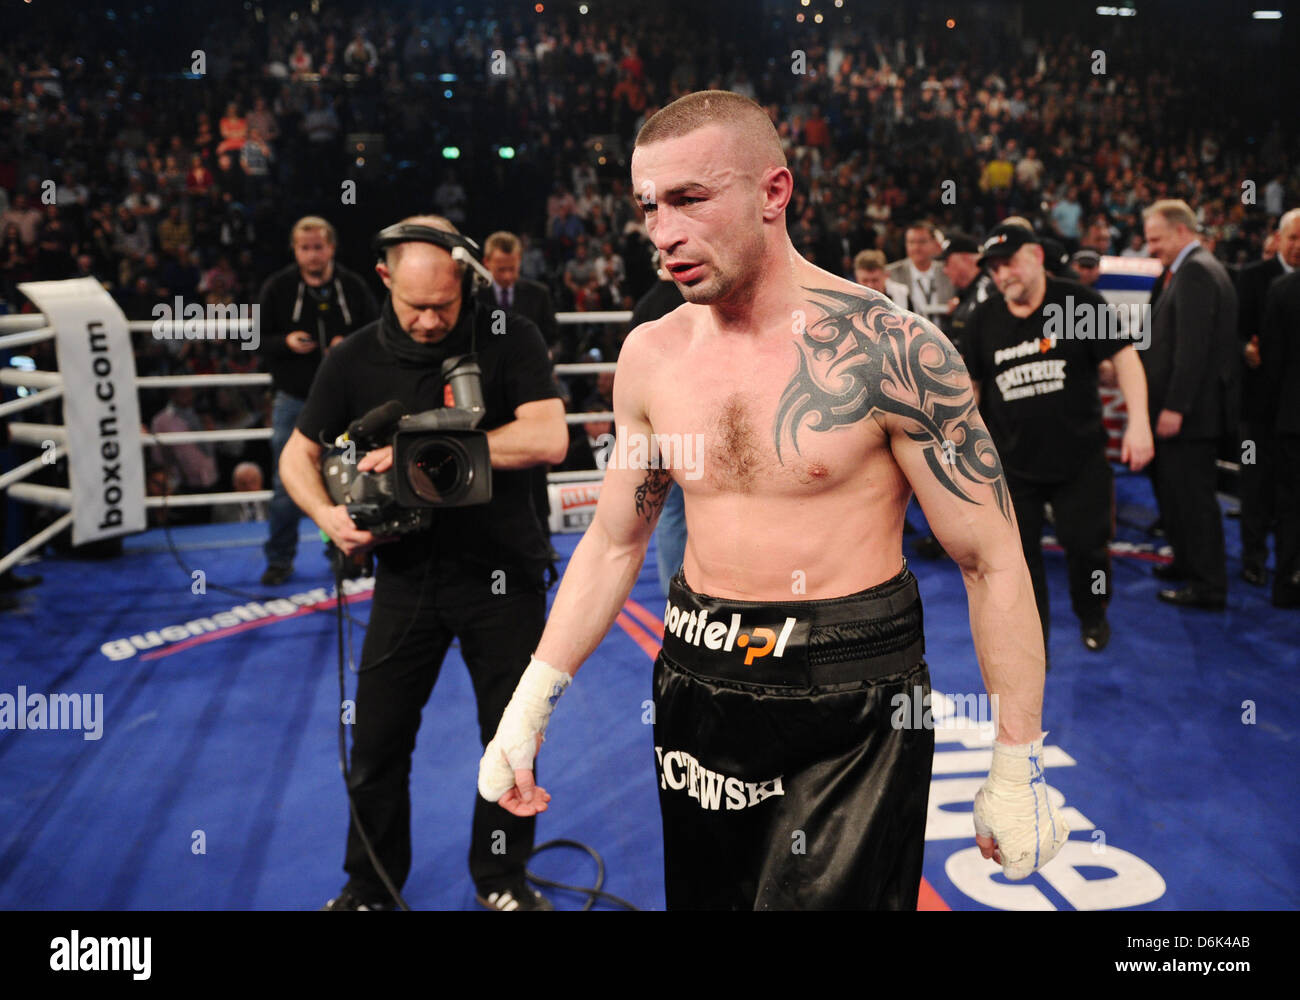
<point>83,712</point>
<point>181,320</point>
<point>1087,320</point>
<point>921,709</point>
<point>670,452</point>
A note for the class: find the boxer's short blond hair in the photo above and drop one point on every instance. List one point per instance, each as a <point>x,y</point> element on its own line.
<point>703,108</point>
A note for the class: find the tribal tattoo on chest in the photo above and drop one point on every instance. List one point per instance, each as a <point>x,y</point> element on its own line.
<point>865,356</point>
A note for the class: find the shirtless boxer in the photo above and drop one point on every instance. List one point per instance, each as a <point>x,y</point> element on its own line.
<point>794,621</point>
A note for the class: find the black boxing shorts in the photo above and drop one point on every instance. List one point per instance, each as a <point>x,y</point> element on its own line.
<point>782,783</point>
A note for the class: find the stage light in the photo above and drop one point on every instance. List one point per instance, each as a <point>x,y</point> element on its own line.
<point>506,152</point>
<point>451,152</point>
<point>1266,15</point>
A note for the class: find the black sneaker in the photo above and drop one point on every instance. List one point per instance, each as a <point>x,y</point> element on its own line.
<point>345,900</point>
<point>519,897</point>
<point>1096,636</point>
<point>276,575</point>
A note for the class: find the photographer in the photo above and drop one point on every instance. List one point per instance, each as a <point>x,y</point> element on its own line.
<point>306,309</point>
<point>476,575</point>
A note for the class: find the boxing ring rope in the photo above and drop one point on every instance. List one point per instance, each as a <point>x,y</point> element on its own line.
<point>31,328</point>
<point>23,330</point>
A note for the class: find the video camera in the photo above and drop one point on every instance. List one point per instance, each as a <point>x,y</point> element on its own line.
<point>440,459</point>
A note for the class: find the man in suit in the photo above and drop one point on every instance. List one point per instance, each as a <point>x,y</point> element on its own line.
<point>927,286</point>
<point>1193,385</point>
<point>1258,412</point>
<point>1279,352</point>
<point>502,253</point>
<point>247,478</point>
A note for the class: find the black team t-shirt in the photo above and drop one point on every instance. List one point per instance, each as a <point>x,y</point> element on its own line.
<point>1038,379</point>
<point>465,545</point>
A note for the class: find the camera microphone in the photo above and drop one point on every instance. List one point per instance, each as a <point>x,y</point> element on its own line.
<point>374,425</point>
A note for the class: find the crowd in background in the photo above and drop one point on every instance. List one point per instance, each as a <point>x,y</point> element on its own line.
<point>160,177</point>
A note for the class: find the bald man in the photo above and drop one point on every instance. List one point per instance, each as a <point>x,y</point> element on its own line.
<point>790,774</point>
<point>477,575</point>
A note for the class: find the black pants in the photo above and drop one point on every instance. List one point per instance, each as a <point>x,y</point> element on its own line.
<point>790,775</point>
<point>1258,494</point>
<point>1286,582</point>
<point>1082,508</point>
<point>497,633</point>
<point>1185,476</point>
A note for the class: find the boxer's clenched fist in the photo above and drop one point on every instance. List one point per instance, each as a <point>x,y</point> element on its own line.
<point>1015,824</point>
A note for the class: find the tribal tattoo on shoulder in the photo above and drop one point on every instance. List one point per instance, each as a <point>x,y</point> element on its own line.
<point>865,356</point>
<point>652,493</point>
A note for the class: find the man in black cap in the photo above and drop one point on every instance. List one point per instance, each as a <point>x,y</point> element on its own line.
<point>1033,354</point>
<point>960,258</point>
<point>1087,265</point>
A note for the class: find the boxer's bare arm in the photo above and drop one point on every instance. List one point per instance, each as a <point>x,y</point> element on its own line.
<point>963,492</point>
<point>863,357</point>
<point>607,560</point>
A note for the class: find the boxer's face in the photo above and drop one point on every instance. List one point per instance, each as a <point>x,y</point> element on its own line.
<point>704,211</point>
<point>426,291</point>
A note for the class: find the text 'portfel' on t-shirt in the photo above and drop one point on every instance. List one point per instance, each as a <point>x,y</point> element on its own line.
<point>1038,377</point>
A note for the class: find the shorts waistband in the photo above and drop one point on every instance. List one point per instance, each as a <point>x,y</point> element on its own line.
<point>862,636</point>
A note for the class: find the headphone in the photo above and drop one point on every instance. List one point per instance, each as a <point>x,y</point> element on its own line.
<point>409,232</point>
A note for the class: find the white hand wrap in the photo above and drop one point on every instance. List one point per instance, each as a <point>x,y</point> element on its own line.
<point>1013,809</point>
<point>525,718</point>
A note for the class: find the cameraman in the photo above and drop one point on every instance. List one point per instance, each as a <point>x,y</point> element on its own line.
<point>477,575</point>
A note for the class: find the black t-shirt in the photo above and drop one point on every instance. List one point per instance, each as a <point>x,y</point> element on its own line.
<point>466,544</point>
<point>1038,379</point>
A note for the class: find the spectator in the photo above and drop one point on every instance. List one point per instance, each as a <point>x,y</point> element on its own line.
<point>869,270</point>
<point>299,60</point>
<point>262,120</point>
<point>190,467</point>
<point>255,156</point>
<point>26,217</point>
<point>247,478</point>
<point>199,179</point>
<point>360,56</point>
<point>580,273</point>
<point>174,232</point>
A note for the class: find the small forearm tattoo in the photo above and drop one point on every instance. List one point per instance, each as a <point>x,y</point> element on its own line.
<point>865,356</point>
<point>652,492</point>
